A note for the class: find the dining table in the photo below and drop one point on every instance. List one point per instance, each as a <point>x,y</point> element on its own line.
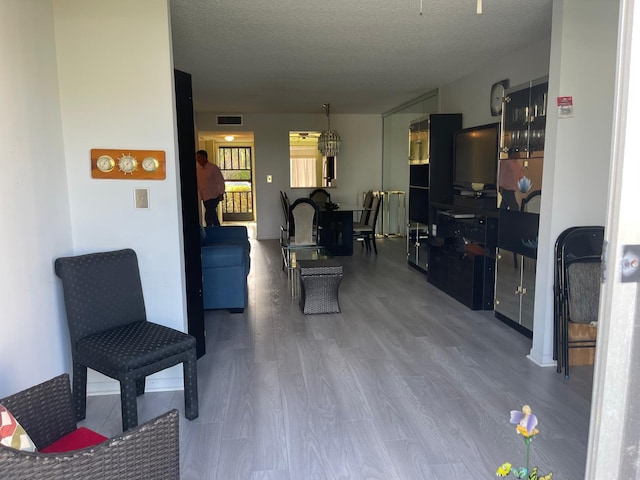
<point>336,229</point>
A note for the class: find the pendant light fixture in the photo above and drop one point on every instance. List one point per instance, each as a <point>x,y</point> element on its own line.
<point>329,140</point>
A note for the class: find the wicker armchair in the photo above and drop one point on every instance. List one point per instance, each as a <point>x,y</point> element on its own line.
<point>47,412</point>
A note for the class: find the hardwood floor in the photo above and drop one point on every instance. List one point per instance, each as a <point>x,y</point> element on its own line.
<point>405,383</point>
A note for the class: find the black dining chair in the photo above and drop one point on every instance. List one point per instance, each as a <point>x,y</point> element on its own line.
<point>110,333</point>
<point>366,210</point>
<point>367,232</point>
<point>320,197</point>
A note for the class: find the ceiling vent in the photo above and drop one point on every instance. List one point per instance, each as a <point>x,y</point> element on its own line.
<point>229,119</point>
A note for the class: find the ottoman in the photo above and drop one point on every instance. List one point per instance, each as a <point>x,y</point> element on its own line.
<point>320,280</point>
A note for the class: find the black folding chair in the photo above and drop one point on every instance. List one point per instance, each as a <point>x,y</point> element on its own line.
<point>578,253</point>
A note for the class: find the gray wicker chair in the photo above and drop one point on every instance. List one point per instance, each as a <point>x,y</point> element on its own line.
<point>110,332</point>
<point>47,412</point>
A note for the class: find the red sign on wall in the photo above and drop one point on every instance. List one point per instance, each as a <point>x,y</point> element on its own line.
<point>565,107</point>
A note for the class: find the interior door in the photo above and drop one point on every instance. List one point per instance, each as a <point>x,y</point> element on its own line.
<point>236,165</point>
<point>189,201</point>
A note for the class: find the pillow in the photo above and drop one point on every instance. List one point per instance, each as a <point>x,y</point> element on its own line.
<point>12,434</point>
<point>76,440</point>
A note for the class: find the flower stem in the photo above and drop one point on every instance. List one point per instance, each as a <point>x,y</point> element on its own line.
<point>527,463</point>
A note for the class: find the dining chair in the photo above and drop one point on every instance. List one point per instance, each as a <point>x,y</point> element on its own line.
<point>286,205</point>
<point>304,215</point>
<point>320,197</point>
<point>110,333</point>
<point>367,232</point>
<point>531,203</point>
<point>366,209</point>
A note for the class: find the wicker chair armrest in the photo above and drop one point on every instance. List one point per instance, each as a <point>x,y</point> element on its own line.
<point>150,450</point>
<point>46,411</point>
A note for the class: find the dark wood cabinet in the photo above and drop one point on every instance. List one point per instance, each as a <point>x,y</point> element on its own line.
<point>462,256</point>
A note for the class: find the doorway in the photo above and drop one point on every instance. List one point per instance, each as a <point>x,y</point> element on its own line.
<point>236,164</point>
<point>233,152</point>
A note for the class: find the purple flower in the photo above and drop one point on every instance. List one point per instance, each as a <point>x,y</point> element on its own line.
<point>525,420</point>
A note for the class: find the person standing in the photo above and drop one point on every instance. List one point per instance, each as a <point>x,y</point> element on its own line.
<point>210,187</point>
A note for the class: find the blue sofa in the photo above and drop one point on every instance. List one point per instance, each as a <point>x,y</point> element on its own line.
<point>225,266</point>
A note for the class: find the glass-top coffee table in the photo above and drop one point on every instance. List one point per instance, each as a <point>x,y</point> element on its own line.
<point>291,253</point>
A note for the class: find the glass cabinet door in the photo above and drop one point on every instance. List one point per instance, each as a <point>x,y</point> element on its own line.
<point>418,245</point>
<point>419,141</point>
<point>515,131</point>
<point>508,280</point>
<point>528,292</point>
<point>538,119</point>
<point>524,121</point>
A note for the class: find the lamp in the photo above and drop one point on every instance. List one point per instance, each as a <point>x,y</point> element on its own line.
<point>329,140</point>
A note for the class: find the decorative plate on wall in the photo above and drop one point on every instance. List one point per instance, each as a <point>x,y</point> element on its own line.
<point>128,164</point>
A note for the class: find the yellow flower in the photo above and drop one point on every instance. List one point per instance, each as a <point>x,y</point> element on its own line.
<point>503,470</point>
<point>523,431</point>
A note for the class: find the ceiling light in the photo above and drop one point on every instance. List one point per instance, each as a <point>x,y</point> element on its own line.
<point>479,7</point>
<point>329,140</point>
<point>229,138</point>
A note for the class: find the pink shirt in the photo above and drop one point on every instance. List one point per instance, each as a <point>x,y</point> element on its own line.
<point>210,181</point>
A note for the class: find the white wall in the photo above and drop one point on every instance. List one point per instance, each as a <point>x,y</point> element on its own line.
<point>359,163</point>
<point>35,226</point>
<point>578,149</point>
<point>116,91</point>
<point>470,95</point>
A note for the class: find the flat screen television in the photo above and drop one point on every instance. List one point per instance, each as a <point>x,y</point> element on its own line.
<point>475,158</point>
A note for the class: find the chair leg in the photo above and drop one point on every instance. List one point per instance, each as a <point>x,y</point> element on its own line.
<point>80,390</point>
<point>129,403</point>
<point>373,240</point>
<point>140,383</point>
<point>190,373</point>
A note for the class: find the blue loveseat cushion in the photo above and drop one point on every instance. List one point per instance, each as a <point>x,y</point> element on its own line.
<point>226,263</point>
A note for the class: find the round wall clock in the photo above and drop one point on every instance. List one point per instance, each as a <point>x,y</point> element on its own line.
<point>150,164</point>
<point>105,163</point>
<point>127,164</point>
<point>497,96</point>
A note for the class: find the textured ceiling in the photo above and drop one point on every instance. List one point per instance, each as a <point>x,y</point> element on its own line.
<point>286,56</point>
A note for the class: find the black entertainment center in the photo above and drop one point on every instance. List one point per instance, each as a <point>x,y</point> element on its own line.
<point>462,245</point>
<point>475,201</point>
<point>462,253</point>
<point>462,229</point>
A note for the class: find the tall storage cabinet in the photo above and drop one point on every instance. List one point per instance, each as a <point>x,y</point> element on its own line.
<point>520,187</point>
<point>430,178</point>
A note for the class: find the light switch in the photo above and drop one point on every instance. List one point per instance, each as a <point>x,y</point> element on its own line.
<point>269,179</point>
<point>141,197</point>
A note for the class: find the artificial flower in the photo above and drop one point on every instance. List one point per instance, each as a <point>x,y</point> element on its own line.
<point>524,184</point>
<point>503,470</point>
<point>525,420</point>
<point>520,472</point>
